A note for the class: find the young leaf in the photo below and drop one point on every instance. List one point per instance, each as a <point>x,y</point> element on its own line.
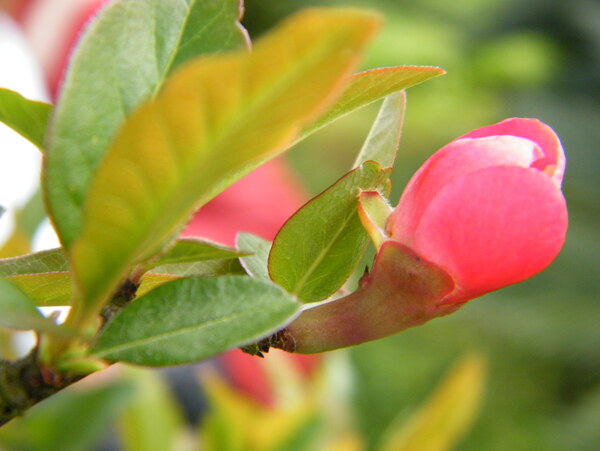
<point>52,260</point>
<point>256,264</point>
<point>317,249</point>
<point>383,139</point>
<point>371,85</point>
<point>214,121</point>
<point>27,117</point>
<point>17,311</point>
<point>194,318</point>
<point>373,211</point>
<point>188,250</point>
<point>150,281</point>
<point>123,59</point>
<point>73,420</point>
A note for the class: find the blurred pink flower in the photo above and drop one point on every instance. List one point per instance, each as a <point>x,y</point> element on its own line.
<point>259,203</point>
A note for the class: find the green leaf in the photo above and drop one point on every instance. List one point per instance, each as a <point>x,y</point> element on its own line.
<point>194,318</point>
<point>189,250</point>
<point>369,86</point>
<point>27,117</point>
<point>73,420</point>
<point>52,260</point>
<point>384,137</point>
<point>447,415</point>
<point>256,264</point>
<point>151,420</point>
<point>317,249</point>
<point>17,311</point>
<point>123,59</point>
<point>214,121</point>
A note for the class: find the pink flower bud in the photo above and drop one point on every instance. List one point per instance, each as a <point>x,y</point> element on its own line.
<point>484,212</point>
<point>487,208</point>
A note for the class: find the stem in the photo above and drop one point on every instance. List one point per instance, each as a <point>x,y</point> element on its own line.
<point>26,382</point>
<point>124,295</point>
<point>80,319</point>
<point>402,291</point>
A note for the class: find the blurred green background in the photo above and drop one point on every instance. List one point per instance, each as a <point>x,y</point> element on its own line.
<point>535,58</point>
<point>541,338</point>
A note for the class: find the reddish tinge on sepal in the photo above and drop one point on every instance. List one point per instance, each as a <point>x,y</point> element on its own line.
<point>402,290</point>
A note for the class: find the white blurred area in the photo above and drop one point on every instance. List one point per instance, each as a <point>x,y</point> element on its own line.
<point>20,161</point>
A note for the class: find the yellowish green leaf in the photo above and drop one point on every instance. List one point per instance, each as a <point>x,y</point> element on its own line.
<point>54,289</point>
<point>122,59</point>
<point>202,268</point>
<point>373,211</point>
<point>46,289</point>
<point>215,120</point>
<point>189,250</point>
<point>51,260</point>
<point>371,85</point>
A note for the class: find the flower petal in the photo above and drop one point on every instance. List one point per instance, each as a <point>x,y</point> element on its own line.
<point>493,228</point>
<point>536,131</point>
<point>455,160</point>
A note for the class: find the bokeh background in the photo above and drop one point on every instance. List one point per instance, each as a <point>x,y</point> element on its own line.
<point>540,339</point>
